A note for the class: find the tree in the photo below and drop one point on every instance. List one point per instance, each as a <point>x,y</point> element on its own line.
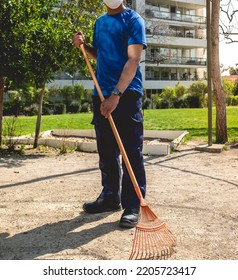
<point>35,41</point>
<point>48,48</point>
<point>233,70</point>
<point>81,16</point>
<point>218,91</point>
<point>13,19</point>
<point>1,105</point>
<point>229,24</point>
<point>52,34</point>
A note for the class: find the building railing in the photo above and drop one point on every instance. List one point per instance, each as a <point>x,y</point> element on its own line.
<point>154,76</point>
<point>175,61</point>
<point>149,13</point>
<point>173,33</point>
<point>66,76</point>
<point>167,78</point>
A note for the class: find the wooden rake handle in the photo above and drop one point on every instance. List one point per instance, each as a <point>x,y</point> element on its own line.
<point>114,130</point>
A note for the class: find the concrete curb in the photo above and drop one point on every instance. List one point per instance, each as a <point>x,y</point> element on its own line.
<point>159,142</point>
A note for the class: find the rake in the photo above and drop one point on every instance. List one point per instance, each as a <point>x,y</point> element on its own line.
<point>153,240</point>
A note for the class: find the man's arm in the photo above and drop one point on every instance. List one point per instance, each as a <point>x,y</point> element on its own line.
<point>92,52</point>
<point>129,70</point>
<point>127,75</point>
<point>78,39</point>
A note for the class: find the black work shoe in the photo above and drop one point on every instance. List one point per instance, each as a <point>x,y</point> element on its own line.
<point>101,205</point>
<point>129,218</point>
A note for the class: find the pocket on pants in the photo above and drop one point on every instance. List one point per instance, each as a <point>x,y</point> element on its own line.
<point>137,117</point>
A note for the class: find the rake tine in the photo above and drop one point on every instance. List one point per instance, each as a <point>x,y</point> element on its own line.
<point>144,246</point>
<point>159,254</point>
<point>157,241</point>
<point>153,241</point>
<point>136,241</point>
<point>150,247</point>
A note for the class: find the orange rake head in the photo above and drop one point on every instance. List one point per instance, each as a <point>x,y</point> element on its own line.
<point>153,240</point>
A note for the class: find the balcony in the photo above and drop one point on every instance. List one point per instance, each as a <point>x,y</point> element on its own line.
<point>175,33</point>
<point>150,13</point>
<point>191,61</point>
<point>178,75</point>
<point>67,76</point>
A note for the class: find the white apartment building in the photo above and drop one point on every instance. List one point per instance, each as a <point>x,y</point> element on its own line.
<point>176,39</point>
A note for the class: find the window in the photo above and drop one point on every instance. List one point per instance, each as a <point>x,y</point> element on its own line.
<point>173,9</point>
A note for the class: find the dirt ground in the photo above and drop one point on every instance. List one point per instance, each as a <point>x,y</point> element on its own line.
<point>42,192</point>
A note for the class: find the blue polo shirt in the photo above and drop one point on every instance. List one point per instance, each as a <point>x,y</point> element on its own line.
<point>112,35</point>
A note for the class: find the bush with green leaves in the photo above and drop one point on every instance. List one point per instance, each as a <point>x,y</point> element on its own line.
<point>146,102</point>
<point>228,87</point>
<point>59,108</point>
<point>22,101</point>
<point>72,96</point>
<point>155,101</point>
<point>74,106</point>
<point>85,108</point>
<point>234,100</point>
<point>179,100</point>
<point>10,128</point>
<point>70,99</point>
<point>12,106</point>
<point>86,103</point>
<point>235,89</point>
<point>197,95</point>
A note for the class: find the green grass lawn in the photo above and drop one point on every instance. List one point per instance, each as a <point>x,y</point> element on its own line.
<point>195,121</point>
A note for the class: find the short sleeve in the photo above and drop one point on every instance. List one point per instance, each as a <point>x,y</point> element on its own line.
<point>137,32</point>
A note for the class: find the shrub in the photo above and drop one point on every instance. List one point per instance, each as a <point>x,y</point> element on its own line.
<point>72,97</point>
<point>156,100</point>
<point>235,89</point>
<point>85,108</point>
<point>59,108</point>
<point>234,100</point>
<point>30,110</point>
<point>13,106</point>
<point>167,96</point>
<point>54,92</point>
<point>74,106</point>
<point>146,103</point>
<point>9,132</point>
<point>197,95</point>
<point>179,100</point>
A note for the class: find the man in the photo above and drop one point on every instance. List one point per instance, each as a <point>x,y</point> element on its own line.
<point>118,42</point>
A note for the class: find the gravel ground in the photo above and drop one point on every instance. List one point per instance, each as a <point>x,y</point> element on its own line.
<point>42,192</point>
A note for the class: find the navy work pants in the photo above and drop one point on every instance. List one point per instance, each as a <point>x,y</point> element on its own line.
<point>128,119</point>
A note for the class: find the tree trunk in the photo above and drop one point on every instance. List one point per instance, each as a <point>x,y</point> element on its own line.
<point>219,94</point>
<point>1,106</point>
<point>38,121</point>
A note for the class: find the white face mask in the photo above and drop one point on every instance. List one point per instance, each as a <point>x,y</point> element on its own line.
<point>113,4</point>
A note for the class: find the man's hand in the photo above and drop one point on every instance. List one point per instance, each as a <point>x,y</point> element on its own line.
<point>109,105</point>
<point>78,39</point>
